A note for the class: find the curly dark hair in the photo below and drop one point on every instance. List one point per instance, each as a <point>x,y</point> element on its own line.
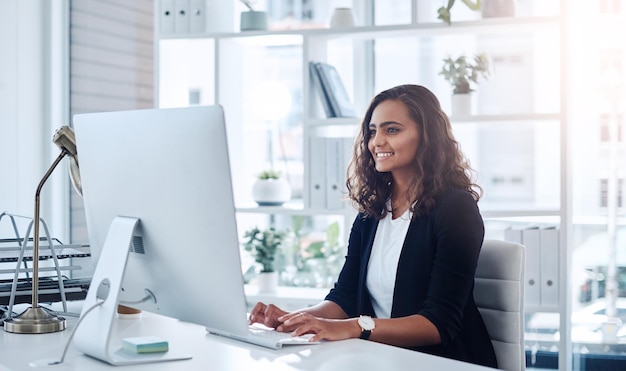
<point>439,164</point>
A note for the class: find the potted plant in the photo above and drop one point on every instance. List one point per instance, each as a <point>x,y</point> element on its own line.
<point>462,74</point>
<point>326,257</point>
<point>263,245</point>
<point>270,189</point>
<point>444,11</point>
<point>252,20</point>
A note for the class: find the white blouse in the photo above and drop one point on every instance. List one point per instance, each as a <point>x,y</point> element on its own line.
<point>383,263</point>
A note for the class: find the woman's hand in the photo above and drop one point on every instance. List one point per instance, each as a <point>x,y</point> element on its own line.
<point>301,323</point>
<point>267,315</point>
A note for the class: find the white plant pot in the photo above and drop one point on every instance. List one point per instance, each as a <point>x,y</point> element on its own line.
<point>461,105</point>
<point>271,192</point>
<point>497,8</point>
<point>267,282</point>
<point>342,17</point>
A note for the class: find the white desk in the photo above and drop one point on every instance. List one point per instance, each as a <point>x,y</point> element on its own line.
<point>215,353</point>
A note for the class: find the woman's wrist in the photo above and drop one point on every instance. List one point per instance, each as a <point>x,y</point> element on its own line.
<point>356,333</point>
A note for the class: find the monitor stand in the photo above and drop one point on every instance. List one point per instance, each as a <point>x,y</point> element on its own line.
<point>93,335</point>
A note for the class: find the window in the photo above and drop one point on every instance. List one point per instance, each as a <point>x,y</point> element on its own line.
<point>605,127</point>
<point>610,6</point>
<point>604,192</point>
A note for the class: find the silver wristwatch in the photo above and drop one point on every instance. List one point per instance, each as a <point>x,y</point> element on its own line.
<point>367,326</point>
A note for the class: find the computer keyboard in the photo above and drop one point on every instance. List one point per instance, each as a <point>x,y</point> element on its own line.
<point>283,337</point>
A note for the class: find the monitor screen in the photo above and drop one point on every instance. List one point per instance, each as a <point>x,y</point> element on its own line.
<point>170,169</point>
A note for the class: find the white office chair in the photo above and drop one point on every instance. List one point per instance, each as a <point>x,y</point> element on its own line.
<point>499,295</point>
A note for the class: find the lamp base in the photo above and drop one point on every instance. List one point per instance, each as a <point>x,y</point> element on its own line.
<point>34,321</point>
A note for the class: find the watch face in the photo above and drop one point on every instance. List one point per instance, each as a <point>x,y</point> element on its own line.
<point>366,323</point>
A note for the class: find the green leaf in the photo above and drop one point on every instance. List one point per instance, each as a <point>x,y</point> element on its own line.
<point>332,234</point>
<point>444,15</point>
<point>269,174</point>
<point>263,245</point>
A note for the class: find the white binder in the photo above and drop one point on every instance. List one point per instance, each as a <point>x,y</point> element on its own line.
<point>549,266</point>
<point>532,275</point>
<point>513,235</point>
<point>197,16</point>
<point>166,17</point>
<point>333,173</point>
<point>317,173</point>
<point>338,153</point>
<point>181,19</point>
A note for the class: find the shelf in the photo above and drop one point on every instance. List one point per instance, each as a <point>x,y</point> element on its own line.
<point>298,209</point>
<point>512,213</point>
<point>291,209</point>
<point>501,25</point>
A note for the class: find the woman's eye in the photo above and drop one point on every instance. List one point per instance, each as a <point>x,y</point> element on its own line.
<point>393,130</point>
<point>372,132</point>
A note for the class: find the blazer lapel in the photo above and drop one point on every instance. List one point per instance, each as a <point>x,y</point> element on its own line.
<point>363,295</point>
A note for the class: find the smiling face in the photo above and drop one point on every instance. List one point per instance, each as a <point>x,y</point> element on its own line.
<point>393,139</point>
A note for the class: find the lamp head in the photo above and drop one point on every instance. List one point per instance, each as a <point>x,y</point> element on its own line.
<point>64,138</point>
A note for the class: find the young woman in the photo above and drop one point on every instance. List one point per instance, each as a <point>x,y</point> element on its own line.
<point>408,277</point>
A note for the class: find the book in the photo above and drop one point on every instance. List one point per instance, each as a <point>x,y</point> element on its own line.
<point>335,90</point>
<point>315,79</point>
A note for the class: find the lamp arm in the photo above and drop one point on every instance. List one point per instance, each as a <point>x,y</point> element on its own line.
<point>36,221</point>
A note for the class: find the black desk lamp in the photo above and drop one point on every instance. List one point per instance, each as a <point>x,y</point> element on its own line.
<point>35,319</point>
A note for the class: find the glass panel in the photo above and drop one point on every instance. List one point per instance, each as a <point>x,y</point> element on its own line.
<point>597,99</point>
<point>541,338</point>
<point>524,75</point>
<point>341,55</point>
<point>517,163</point>
<point>390,12</point>
<point>186,74</point>
<point>263,107</point>
<point>312,251</point>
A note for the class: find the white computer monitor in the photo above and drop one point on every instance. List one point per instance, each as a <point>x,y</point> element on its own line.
<point>157,180</point>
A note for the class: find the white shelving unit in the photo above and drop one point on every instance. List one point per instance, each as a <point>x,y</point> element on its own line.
<point>359,54</point>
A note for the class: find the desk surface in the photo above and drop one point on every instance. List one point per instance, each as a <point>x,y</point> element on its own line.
<point>217,353</point>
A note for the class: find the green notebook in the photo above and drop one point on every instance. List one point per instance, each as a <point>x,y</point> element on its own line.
<point>145,344</point>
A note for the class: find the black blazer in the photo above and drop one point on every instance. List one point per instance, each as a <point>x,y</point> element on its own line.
<point>435,276</point>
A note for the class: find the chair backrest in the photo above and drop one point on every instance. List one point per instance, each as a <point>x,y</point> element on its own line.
<point>499,295</point>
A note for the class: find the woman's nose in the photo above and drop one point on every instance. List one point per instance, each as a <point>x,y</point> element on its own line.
<point>376,139</point>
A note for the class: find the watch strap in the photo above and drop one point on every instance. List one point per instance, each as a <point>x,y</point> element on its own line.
<point>365,334</point>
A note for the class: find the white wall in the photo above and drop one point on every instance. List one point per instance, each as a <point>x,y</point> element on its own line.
<point>32,106</point>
